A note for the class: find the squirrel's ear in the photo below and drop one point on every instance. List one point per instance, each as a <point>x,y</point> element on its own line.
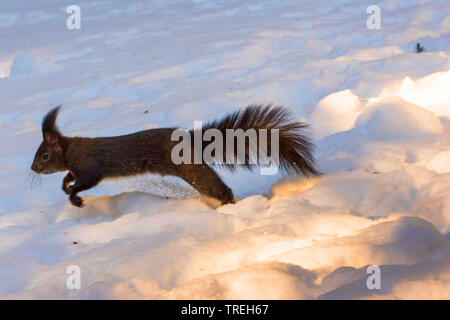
<point>51,138</point>
<point>54,140</point>
<point>48,124</point>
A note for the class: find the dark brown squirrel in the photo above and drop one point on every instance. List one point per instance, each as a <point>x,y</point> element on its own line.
<point>89,160</point>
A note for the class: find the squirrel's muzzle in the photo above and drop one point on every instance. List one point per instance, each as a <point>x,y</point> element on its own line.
<point>36,167</point>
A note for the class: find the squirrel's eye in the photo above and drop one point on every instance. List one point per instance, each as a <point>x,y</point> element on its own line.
<point>45,156</point>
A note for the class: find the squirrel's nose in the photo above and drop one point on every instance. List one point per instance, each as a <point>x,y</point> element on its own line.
<point>35,167</point>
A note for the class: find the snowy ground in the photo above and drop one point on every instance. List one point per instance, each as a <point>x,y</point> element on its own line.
<point>380,113</point>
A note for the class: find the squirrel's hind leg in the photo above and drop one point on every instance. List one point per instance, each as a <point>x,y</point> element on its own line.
<point>206,181</point>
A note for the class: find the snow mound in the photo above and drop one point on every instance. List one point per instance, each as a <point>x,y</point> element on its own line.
<point>343,107</point>
<point>395,119</point>
<point>432,92</point>
<point>428,280</point>
<point>440,162</point>
<point>281,281</point>
<point>406,240</point>
<point>427,286</point>
<point>27,64</point>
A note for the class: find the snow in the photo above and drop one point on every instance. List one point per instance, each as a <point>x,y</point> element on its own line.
<point>379,111</point>
<point>439,162</point>
<point>395,119</point>
<point>343,107</point>
<point>25,64</point>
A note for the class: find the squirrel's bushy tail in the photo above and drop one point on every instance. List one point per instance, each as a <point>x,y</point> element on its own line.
<point>296,150</point>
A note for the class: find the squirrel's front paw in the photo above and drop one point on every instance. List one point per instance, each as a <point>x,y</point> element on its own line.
<point>76,201</point>
<point>67,188</point>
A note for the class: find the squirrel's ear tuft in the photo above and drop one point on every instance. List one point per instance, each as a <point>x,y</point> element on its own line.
<point>48,124</point>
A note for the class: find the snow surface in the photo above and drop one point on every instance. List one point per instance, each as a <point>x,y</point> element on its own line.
<point>379,111</point>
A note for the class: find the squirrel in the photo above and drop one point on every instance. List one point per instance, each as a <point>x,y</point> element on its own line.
<point>89,160</point>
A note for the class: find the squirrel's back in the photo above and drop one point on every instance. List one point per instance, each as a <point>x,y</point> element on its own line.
<point>124,155</point>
